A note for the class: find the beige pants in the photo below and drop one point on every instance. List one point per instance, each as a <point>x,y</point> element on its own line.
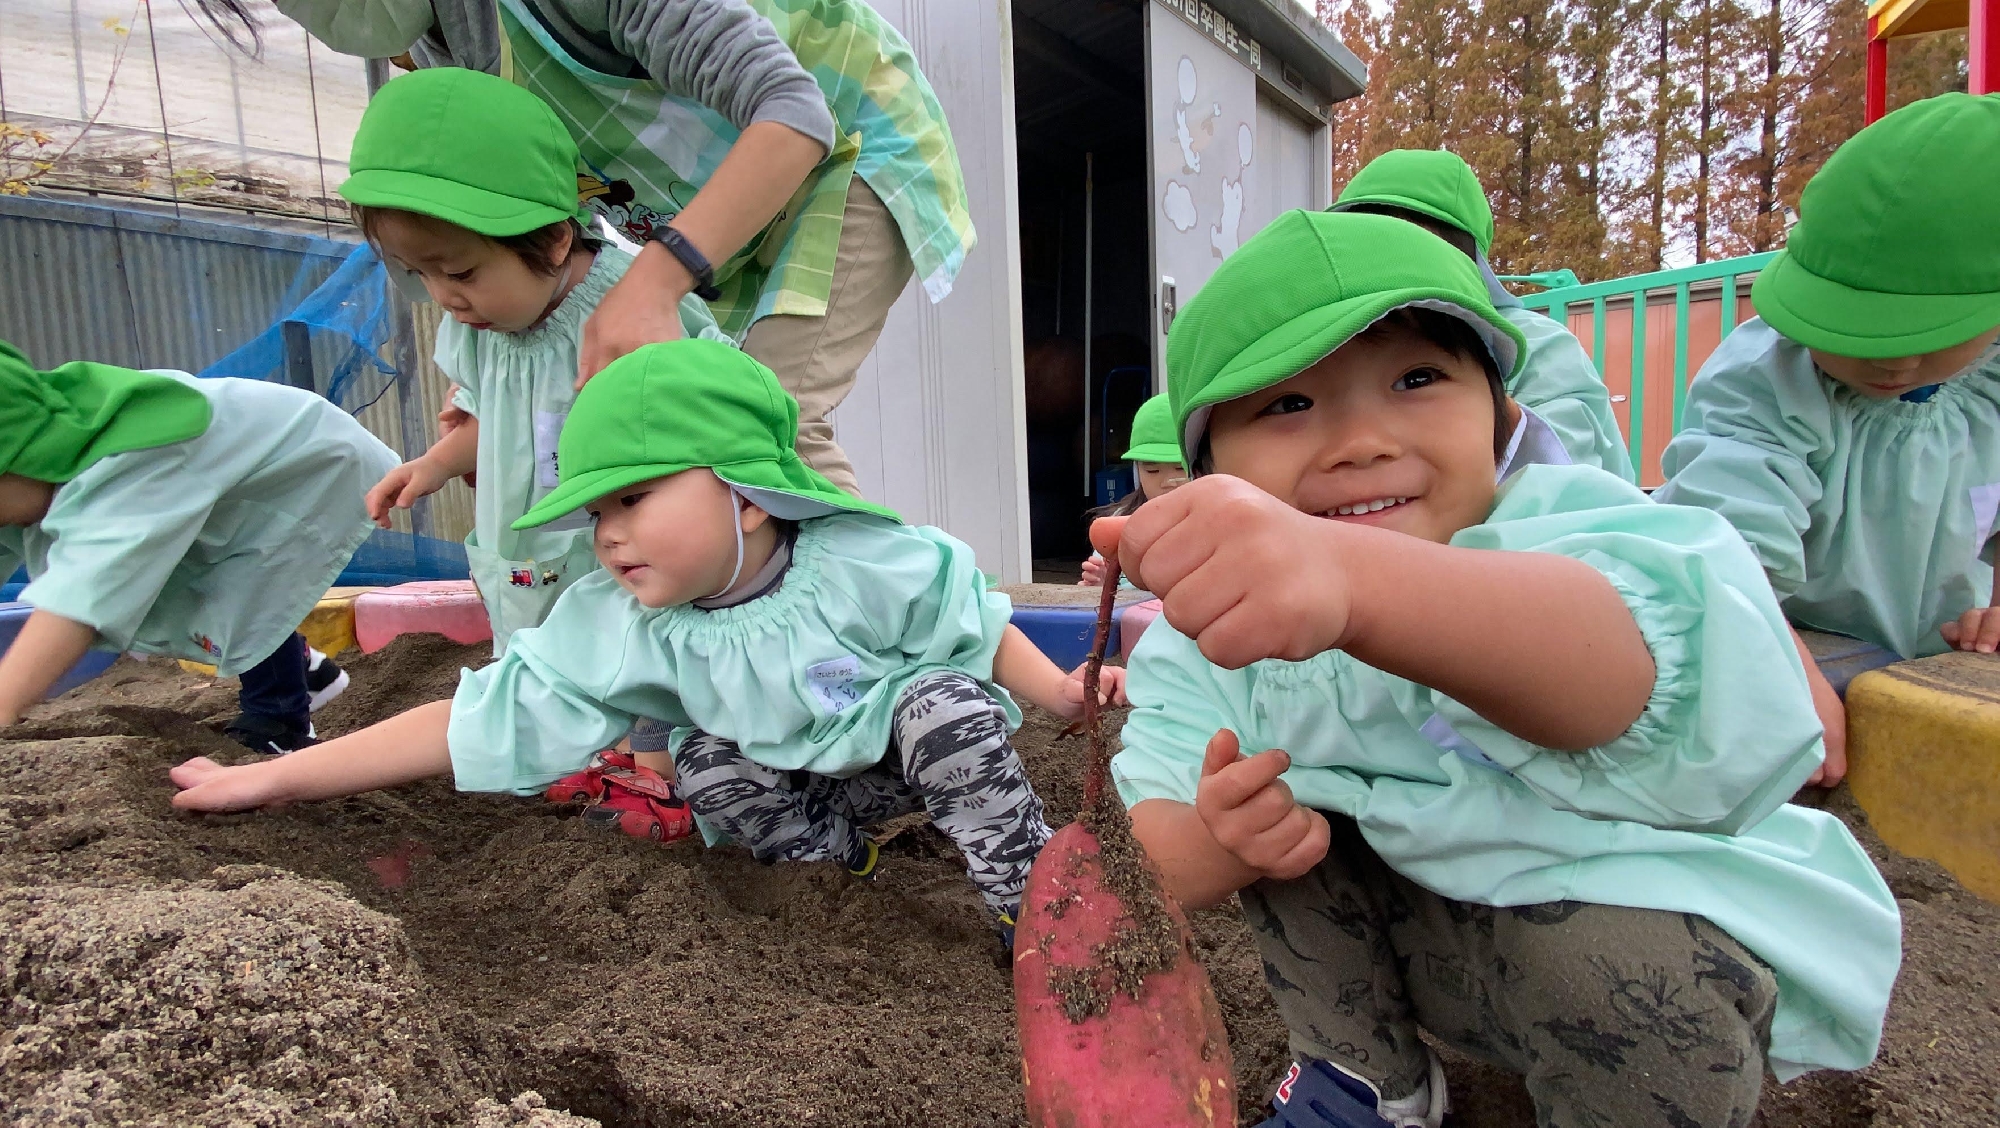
<point>816,358</point>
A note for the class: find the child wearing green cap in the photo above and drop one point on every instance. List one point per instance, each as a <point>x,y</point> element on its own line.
<point>1851,431</point>
<point>162,514</point>
<point>823,666</point>
<point>469,182</point>
<point>1506,762</point>
<point>1155,456</point>
<point>1563,409</point>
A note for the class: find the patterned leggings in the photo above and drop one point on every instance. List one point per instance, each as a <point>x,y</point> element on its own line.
<point>949,756</point>
<point>1617,1017</point>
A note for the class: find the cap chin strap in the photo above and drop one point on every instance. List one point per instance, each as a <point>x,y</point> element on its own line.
<point>736,520</point>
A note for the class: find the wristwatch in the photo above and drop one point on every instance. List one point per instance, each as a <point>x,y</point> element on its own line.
<point>690,257</point>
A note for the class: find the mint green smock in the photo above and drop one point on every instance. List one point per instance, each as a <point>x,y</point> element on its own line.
<point>803,679</point>
<point>1873,518</point>
<point>1685,812</point>
<point>520,387</point>
<point>214,549</point>
<point>1559,383</point>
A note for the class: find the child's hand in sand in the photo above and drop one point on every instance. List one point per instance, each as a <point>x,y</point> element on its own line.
<point>1110,690</point>
<point>1251,813</point>
<point>208,786</point>
<point>1977,630</point>
<point>1244,575</point>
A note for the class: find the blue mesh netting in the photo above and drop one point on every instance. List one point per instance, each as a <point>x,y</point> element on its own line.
<point>347,319</point>
<point>347,322</point>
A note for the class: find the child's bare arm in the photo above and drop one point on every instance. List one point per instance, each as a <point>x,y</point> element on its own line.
<point>453,456</point>
<point>1832,717</point>
<point>1539,644</point>
<point>41,654</point>
<point>1243,826</point>
<point>403,749</point>
<point>1024,671</point>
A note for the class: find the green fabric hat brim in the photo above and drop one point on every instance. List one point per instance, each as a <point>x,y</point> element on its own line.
<point>1820,313</point>
<point>575,493</point>
<point>1305,340</point>
<point>475,209</point>
<point>1408,203</point>
<point>1153,452</point>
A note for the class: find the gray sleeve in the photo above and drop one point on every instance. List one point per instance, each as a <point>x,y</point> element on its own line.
<point>466,34</point>
<point>720,53</point>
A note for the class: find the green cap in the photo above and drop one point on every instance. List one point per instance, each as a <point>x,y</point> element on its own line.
<point>466,147</point>
<point>675,406</point>
<point>1431,182</point>
<point>1301,288</point>
<point>55,424</point>
<point>1153,438</point>
<point>1897,247</point>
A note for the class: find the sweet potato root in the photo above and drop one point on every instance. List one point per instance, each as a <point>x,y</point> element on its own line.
<point>1118,1023</point>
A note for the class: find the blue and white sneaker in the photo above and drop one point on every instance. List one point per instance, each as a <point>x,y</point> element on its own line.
<point>1319,1094</point>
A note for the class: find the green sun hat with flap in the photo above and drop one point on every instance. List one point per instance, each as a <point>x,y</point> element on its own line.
<point>55,425</point>
<point>1301,288</point>
<point>1153,438</point>
<point>681,405</point>
<point>1897,248</point>
<point>1430,182</point>
<point>466,147</point>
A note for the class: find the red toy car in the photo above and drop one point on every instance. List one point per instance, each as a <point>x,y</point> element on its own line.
<point>617,792</point>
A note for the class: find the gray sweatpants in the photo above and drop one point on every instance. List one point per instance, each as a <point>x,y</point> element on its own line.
<point>949,756</point>
<point>1617,1017</point>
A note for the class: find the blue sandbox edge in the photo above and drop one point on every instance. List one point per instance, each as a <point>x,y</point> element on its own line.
<point>1064,633</point>
<point>13,615</point>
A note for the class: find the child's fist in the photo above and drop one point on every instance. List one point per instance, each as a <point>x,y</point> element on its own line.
<point>1110,690</point>
<point>1244,575</point>
<point>1977,630</point>
<point>1252,814</point>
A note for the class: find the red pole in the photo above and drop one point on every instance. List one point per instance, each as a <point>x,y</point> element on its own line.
<point>1982,46</point>
<point>1876,100</point>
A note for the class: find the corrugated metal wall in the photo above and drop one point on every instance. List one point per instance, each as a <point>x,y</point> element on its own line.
<point>128,286</point>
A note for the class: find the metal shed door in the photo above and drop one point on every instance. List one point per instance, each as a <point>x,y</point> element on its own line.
<point>936,423</point>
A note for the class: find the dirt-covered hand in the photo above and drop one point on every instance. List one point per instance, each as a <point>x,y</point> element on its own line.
<point>1977,630</point>
<point>1250,812</point>
<point>1110,690</point>
<point>1244,575</point>
<point>642,308</point>
<point>400,488</point>
<point>208,786</point>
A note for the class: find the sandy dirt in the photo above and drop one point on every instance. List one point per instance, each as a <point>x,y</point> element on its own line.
<point>422,957</point>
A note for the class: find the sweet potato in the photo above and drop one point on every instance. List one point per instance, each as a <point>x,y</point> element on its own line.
<point>1118,1024</point>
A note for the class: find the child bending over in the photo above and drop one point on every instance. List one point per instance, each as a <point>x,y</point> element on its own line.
<point>1507,764</point>
<point>823,666</point>
<point>1851,431</point>
<point>162,514</point>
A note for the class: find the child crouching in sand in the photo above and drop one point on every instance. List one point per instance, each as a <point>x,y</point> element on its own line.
<point>163,514</point>
<point>824,666</point>
<point>1504,763</point>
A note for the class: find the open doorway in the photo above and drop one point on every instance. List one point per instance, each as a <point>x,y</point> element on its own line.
<point>1080,119</point>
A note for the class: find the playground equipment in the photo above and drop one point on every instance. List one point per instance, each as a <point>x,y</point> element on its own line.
<point>1898,19</point>
<point>1680,315</point>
